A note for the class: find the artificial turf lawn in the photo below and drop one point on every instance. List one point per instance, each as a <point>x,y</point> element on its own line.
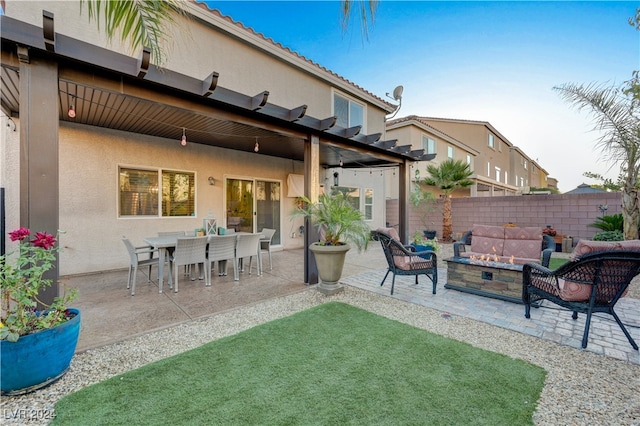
<point>331,364</point>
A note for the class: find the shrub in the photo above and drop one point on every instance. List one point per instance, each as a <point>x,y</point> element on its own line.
<point>609,236</point>
<point>613,222</point>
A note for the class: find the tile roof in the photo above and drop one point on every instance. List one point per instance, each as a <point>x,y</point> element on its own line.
<point>251,31</point>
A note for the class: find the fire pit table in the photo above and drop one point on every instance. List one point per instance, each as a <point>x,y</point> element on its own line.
<point>485,278</point>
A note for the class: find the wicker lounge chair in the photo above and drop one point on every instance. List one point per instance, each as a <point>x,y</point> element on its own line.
<point>404,260</point>
<point>593,283</point>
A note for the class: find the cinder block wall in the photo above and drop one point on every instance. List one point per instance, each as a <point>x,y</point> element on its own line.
<point>568,214</point>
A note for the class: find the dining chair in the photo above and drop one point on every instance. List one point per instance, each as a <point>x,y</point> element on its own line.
<point>187,268</point>
<point>189,251</point>
<point>248,245</point>
<point>135,262</point>
<point>265,242</point>
<point>221,249</point>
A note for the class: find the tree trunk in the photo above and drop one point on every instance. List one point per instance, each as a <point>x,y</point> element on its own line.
<point>446,219</point>
<point>630,212</point>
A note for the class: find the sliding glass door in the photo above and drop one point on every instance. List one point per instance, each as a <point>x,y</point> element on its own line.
<point>252,205</point>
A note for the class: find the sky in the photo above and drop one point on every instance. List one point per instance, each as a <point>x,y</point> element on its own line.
<point>486,61</point>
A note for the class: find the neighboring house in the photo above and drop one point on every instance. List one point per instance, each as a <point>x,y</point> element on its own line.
<point>99,143</point>
<point>584,188</point>
<point>414,131</point>
<point>500,168</point>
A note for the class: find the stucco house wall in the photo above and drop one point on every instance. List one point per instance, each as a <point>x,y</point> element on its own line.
<point>89,156</point>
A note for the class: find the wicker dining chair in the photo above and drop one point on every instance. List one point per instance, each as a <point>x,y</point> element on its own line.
<point>265,242</point>
<point>248,245</point>
<point>189,251</point>
<point>135,262</point>
<point>222,248</point>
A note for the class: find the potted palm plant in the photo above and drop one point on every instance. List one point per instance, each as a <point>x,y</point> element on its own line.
<point>37,341</point>
<point>339,225</point>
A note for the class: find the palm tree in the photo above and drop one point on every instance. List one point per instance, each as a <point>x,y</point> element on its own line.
<point>615,112</point>
<point>366,11</point>
<point>448,176</point>
<point>140,22</point>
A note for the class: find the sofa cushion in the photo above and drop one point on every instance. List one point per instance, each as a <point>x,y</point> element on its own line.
<point>523,242</point>
<point>487,240</point>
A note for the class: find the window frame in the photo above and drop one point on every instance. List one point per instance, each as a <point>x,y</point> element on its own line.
<point>426,142</point>
<point>158,193</point>
<point>350,101</point>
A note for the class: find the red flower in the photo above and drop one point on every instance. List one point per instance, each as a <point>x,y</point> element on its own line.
<point>19,234</point>
<point>44,240</point>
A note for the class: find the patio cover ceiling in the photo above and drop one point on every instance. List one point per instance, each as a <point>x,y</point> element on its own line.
<point>164,104</point>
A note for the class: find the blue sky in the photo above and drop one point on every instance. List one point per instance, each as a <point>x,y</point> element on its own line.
<point>486,61</point>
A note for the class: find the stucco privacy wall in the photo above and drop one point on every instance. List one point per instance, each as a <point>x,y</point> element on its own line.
<point>569,214</point>
<point>211,43</point>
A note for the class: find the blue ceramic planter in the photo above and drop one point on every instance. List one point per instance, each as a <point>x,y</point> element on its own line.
<point>39,359</point>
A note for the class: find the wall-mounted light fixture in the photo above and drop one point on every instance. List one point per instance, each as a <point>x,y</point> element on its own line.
<point>72,109</point>
<point>335,178</point>
<point>211,180</point>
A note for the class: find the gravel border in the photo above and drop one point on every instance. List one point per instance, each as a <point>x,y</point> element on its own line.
<point>581,388</point>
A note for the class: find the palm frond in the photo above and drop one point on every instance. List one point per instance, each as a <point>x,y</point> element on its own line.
<point>140,22</point>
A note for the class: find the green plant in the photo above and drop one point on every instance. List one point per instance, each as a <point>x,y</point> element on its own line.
<point>22,280</point>
<point>609,236</point>
<point>337,221</point>
<point>419,239</point>
<point>614,222</point>
<point>424,201</point>
<point>447,177</point>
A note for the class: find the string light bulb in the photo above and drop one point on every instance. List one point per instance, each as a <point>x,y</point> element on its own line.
<point>72,109</point>
<point>256,148</point>
<point>183,141</point>
<point>341,163</point>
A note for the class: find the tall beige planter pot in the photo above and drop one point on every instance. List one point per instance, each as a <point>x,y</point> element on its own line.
<point>330,262</point>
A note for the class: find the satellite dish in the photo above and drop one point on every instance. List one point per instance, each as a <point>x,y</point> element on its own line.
<point>397,96</point>
<point>397,93</point>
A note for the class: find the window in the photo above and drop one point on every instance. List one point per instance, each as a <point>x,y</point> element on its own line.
<point>428,144</point>
<point>497,174</point>
<point>488,169</point>
<point>491,141</point>
<point>506,177</point>
<point>450,152</point>
<point>368,204</point>
<point>526,164</point>
<point>154,193</point>
<point>349,113</point>
<point>353,194</point>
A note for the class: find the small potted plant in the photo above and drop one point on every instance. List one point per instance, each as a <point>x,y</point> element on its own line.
<point>339,224</point>
<point>422,243</point>
<point>37,341</point>
<point>424,201</point>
